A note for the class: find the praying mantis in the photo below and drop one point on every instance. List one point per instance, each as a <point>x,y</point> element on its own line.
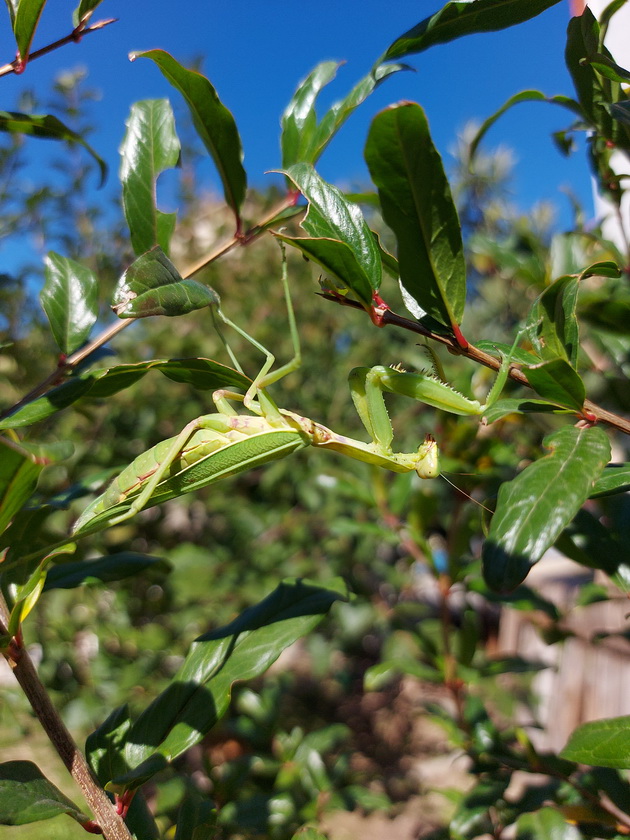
<point>215,446</point>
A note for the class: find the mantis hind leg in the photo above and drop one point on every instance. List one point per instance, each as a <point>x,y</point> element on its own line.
<point>256,399</point>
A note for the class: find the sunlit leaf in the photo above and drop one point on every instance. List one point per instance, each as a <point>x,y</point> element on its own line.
<point>604,743</point>
<point>25,19</point>
<point>545,824</point>
<point>534,508</point>
<point>70,300</point>
<point>456,19</point>
<point>19,472</point>
<point>303,138</point>
<point>153,286</point>
<point>614,479</point>
<point>27,796</point>
<point>552,325</point>
<point>417,205</point>
<point>342,242</point>
<point>214,123</point>
<point>83,10</point>
<point>150,146</point>
<point>557,382</point>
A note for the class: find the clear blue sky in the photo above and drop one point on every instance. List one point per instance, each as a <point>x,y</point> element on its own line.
<point>255,53</point>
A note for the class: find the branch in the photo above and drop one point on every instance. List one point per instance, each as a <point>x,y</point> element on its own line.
<point>389,317</point>
<point>68,365</point>
<point>19,63</point>
<point>111,824</point>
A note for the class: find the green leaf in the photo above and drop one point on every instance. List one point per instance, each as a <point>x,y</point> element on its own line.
<point>12,6</point>
<point>603,743</point>
<point>545,824</point>
<point>534,508</point>
<point>149,148</point>
<point>614,479</point>
<point>104,569</point>
<point>153,286</point>
<point>342,241</point>
<point>521,406</point>
<point>603,268</point>
<point>472,818</point>
<point>48,127</point>
<point>203,374</point>
<point>456,19</point>
<point>557,382</point>
<point>303,139</point>
<point>70,300</point>
<point>19,472</point>
<point>596,546</point>
<point>299,121</point>
<point>214,123</point>
<point>200,692</point>
<point>25,19</point>
<point>103,747</point>
<point>607,67</point>
<point>583,39</point>
<point>552,325</point>
<point>523,96</point>
<point>418,207</point>
<point>27,796</point>
<point>84,10</point>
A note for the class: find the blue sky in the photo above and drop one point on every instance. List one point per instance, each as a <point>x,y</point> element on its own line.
<point>256,53</point>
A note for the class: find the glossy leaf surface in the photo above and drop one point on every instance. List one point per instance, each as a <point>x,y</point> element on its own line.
<point>214,123</point>
<point>47,127</point>
<point>614,479</point>
<point>199,695</point>
<point>27,796</point>
<point>303,138</point>
<point>557,382</point>
<point>153,286</point>
<point>70,300</point>
<point>417,205</point>
<point>150,146</point>
<point>552,325</point>
<point>342,242</point>
<point>299,121</point>
<point>534,508</point>
<point>456,19</point>
<point>546,824</point>
<point>85,7</point>
<point>103,747</point>
<point>18,478</point>
<point>603,743</point>
<point>25,16</point>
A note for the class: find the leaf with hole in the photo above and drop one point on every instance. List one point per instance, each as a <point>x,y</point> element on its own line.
<point>150,147</point>
<point>215,125</point>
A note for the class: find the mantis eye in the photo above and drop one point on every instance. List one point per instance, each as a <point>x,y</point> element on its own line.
<point>428,464</point>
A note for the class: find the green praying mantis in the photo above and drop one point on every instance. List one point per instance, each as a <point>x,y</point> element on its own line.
<point>215,446</point>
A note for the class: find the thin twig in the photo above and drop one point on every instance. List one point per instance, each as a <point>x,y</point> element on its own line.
<point>69,364</point>
<point>111,824</point>
<point>18,64</point>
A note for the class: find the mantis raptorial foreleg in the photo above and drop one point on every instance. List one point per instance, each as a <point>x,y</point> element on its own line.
<point>218,445</point>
